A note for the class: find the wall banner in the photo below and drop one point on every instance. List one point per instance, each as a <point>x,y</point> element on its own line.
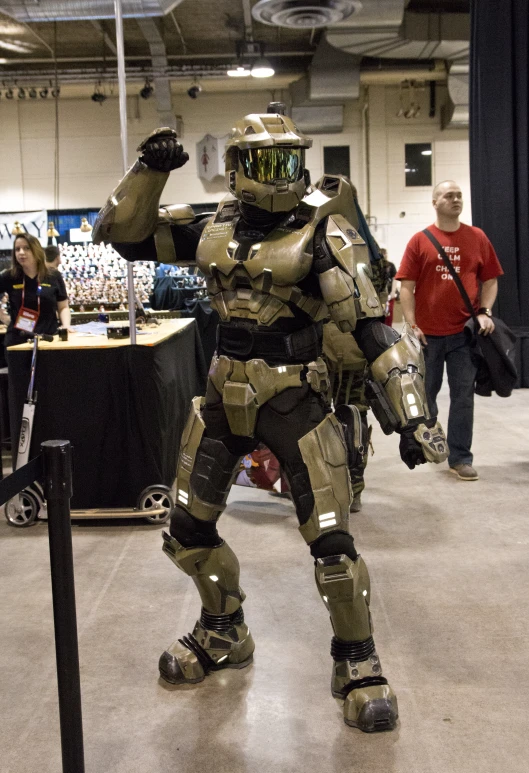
<point>35,223</point>
<point>210,156</point>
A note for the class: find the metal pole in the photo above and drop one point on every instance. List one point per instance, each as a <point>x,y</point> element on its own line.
<point>122,81</point>
<point>57,456</point>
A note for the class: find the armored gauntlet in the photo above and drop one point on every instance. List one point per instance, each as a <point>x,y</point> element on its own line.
<point>395,390</point>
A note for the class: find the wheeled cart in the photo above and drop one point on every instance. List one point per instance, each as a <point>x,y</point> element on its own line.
<point>122,407</point>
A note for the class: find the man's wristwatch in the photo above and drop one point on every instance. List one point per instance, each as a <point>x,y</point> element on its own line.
<point>486,311</point>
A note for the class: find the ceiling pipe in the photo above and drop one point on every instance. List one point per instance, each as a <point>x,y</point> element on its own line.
<point>135,58</point>
<point>382,77</point>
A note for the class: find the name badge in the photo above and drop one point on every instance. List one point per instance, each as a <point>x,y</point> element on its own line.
<point>26,320</point>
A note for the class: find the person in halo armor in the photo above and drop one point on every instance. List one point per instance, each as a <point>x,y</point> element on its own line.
<point>279,257</point>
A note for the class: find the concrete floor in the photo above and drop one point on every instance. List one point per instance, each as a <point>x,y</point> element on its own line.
<point>450,602</point>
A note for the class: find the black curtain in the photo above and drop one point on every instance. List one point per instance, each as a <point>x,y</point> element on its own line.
<point>499,145</point>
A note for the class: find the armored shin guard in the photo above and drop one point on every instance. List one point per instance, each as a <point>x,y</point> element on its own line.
<point>369,702</point>
<point>220,638</point>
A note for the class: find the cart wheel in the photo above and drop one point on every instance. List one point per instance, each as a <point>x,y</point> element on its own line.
<point>154,497</point>
<point>25,513</point>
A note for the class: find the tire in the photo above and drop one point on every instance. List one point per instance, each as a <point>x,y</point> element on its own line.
<point>153,497</point>
<point>29,512</point>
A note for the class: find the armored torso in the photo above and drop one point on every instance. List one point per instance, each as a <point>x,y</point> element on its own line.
<point>267,279</point>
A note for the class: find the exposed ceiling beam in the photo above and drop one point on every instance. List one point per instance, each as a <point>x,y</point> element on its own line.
<point>108,40</point>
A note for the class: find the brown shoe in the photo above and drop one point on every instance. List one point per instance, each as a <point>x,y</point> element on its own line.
<point>465,472</point>
<point>356,504</point>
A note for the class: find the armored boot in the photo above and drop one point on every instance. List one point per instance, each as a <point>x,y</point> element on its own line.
<point>369,702</point>
<point>220,638</point>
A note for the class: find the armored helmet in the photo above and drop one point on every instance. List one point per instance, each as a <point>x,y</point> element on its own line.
<point>265,160</point>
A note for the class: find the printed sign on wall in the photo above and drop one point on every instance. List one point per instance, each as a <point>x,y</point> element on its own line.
<point>210,156</point>
<point>35,223</point>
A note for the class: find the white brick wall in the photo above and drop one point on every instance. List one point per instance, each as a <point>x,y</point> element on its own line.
<point>90,154</point>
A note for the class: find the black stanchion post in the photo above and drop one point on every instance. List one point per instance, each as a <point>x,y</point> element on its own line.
<point>58,491</point>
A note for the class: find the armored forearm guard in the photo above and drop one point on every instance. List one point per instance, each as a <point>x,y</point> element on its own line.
<point>396,386</point>
<point>131,212</point>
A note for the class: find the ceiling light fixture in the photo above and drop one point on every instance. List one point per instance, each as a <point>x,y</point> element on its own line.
<point>239,71</point>
<point>21,93</point>
<point>32,93</point>
<point>97,96</point>
<point>43,93</point>
<point>262,68</point>
<point>147,91</point>
<point>9,94</point>
<point>194,91</point>
<point>18,46</point>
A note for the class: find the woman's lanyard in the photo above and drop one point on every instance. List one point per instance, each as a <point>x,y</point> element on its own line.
<point>39,290</point>
<point>28,318</point>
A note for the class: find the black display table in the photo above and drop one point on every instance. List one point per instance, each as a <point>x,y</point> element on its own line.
<point>122,407</point>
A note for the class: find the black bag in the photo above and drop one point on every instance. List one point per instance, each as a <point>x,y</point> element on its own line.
<point>494,354</point>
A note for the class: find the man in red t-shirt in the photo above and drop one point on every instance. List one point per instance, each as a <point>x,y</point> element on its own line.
<point>434,308</point>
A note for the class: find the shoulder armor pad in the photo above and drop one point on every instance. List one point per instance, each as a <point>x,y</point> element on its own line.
<point>368,299</point>
<point>331,195</point>
<point>345,243</point>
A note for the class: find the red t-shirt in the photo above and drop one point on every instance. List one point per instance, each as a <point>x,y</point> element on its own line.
<point>439,307</point>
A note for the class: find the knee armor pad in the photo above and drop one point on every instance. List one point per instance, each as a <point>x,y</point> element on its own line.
<point>324,452</point>
<point>334,544</point>
<point>190,532</point>
<point>214,570</point>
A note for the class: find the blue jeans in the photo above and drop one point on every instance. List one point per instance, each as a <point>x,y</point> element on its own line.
<point>453,350</point>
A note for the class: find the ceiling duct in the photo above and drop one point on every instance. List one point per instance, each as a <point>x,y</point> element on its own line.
<point>317,98</point>
<point>304,14</point>
<point>454,115</point>
<point>162,87</point>
<point>68,10</point>
<point>383,28</point>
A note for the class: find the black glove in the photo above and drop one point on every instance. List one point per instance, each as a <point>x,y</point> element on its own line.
<point>410,450</point>
<point>162,151</point>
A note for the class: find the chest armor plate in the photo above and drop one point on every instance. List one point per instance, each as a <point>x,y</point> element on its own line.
<point>257,278</point>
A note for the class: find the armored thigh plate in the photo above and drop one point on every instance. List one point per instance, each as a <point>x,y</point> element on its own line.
<point>245,386</point>
<point>324,451</point>
<point>191,437</point>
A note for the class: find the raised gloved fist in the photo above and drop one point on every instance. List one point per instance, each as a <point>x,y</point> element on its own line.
<point>162,151</point>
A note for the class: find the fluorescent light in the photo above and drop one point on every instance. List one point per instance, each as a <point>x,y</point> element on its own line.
<point>238,71</point>
<point>19,46</point>
<point>426,152</point>
<point>262,69</point>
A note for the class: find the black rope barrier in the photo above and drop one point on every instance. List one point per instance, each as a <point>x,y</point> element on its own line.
<point>20,479</point>
<point>54,466</point>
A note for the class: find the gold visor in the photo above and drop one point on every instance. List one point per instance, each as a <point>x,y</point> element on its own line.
<point>267,165</point>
